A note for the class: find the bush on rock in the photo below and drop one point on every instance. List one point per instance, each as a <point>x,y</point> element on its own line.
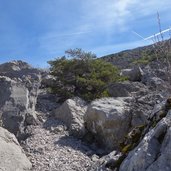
<point>81,74</point>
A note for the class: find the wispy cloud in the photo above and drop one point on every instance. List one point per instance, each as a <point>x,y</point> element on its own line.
<point>116,15</point>
<point>58,35</point>
<point>107,17</point>
<point>72,34</point>
<point>99,18</point>
<point>48,28</point>
<point>106,14</point>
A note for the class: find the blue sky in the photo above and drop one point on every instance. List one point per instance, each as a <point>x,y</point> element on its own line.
<point>40,30</point>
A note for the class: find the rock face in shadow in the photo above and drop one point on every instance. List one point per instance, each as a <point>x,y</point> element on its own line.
<point>133,74</point>
<point>108,119</point>
<point>12,156</point>
<point>18,92</point>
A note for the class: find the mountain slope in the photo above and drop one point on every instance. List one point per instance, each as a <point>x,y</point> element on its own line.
<point>140,55</point>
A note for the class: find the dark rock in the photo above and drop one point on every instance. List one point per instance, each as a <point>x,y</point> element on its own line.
<point>133,74</point>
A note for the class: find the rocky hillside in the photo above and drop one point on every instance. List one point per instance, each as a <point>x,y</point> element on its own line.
<point>130,131</point>
<point>140,55</point>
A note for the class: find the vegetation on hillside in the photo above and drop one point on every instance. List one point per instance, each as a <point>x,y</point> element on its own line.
<point>159,51</point>
<point>81,74</point>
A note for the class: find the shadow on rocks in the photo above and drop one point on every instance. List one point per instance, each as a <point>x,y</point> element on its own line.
<point>76,144</point>
<point>79,145</point>
<point>51,124</point>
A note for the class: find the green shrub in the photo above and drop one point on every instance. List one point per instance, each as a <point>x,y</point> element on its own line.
<point>147,56</point>
<point>82,74</point>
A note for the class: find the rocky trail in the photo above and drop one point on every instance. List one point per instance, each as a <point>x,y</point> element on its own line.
<point>49,146</point>
<point>52,149</point>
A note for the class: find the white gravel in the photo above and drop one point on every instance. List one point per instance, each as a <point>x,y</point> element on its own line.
<point>53,150</point>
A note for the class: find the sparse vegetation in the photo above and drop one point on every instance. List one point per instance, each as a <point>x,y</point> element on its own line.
<point>81,74</point>
<point>143,60</point>
<point>147,56</point>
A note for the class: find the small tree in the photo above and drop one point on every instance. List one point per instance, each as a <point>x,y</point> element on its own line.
<point>80,73</point>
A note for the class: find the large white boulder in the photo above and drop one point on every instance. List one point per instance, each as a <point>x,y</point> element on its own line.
<point>71,112</point>
<point>17,105</point>
<point>12,156</point>
<point>19,86</point>
<point>108,119</point>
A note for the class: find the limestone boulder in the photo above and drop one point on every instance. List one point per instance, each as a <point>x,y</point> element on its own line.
<point>12,156</point>
<point>154,151</point>
<point>126,89</point>
<point>156,83</point>
<point>71,112</point>
<point>14,66</point>
<point>17,104</point>
<point>108,119</point>
<point>20,70</point>
<point>19,87</point>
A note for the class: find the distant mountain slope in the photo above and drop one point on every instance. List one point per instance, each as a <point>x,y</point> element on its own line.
<point>127,58</point>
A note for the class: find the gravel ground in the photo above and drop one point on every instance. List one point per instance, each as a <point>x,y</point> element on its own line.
<point>50,148</point>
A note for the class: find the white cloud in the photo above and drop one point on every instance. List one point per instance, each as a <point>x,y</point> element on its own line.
<point>115,15</point>
<point>102,14</point>
<point>110,16</point>
<point>96,17</point>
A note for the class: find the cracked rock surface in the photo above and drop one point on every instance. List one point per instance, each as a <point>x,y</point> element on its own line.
<point>153,152</point>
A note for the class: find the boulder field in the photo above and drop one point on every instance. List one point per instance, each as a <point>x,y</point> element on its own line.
<point>129,131</point>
